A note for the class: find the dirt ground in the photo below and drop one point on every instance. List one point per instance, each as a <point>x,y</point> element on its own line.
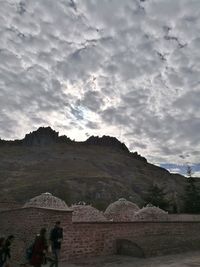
<point>189,259</point>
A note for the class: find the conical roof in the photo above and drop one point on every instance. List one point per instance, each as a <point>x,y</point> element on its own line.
<point>86,213</point>
<point>47,201</point>
<point>121,210</point>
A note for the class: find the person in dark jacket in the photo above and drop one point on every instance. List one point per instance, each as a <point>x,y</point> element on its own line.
<point>7,247</point>
<point>2,255</point>
<point>39,249</point>
<point>56,237</point>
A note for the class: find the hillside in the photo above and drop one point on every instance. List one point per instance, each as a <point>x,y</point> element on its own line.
<point>97,171</point>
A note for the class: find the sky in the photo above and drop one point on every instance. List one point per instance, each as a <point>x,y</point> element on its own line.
<point>128,69</point>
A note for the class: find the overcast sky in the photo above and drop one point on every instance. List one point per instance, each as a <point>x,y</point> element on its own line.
<point>126,68</point>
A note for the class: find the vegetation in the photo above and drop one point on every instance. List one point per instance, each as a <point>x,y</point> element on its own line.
<point>157,197</point>
<point>192,194</point>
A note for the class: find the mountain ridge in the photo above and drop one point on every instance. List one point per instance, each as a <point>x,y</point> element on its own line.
<point>98,171</point>
<point>46,136</point>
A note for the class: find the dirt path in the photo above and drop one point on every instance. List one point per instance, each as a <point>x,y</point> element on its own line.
<point>189,259</point>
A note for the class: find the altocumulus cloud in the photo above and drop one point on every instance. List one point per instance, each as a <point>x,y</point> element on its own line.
<point>125,68</point>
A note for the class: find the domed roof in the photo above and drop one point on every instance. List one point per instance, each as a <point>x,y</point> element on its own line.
<point>121,210</point>
<point>47,201</point>
<point>151,213</point>
<point>86,213</point>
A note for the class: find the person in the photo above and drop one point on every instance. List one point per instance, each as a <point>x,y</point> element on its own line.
<point>39,249</point>
<point>6,249</point>
<point>56,237</point>
<point>2,257</point>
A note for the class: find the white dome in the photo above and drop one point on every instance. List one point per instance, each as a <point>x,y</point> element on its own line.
<point>47,201</point>
<point>86,213</point>
<point>121,210</point>
<point>151,213</point>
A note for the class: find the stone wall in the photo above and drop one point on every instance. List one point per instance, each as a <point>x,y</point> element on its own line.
<point>91,239</point>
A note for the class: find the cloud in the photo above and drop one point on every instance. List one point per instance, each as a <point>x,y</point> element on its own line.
<point>124,68</point>
<point>92,100</point>
<point>175,168</point>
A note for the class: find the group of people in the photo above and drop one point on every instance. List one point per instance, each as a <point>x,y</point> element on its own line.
<point>41,250</point>
<point>40,247</point>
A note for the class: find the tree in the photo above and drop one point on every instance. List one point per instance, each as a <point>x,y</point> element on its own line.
<point>192,194</point>
<point>173,202</point>
<point>156,196</point>
<point>189,171</point>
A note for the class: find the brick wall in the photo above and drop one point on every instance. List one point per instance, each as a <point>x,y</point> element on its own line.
<point>99,238</point>
<point>26,223</point>
<point>154,238</point>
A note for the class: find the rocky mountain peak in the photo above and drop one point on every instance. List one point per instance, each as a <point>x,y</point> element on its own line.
<point>42,136</point>
<point>107,141</point>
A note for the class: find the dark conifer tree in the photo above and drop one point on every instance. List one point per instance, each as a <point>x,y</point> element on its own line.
<point>192,194</point>
<point>157,197</point>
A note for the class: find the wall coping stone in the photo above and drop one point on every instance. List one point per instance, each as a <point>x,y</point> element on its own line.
<point>36,208</point>
<point>136,222</point>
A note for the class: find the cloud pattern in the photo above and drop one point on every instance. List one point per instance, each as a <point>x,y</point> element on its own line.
<point>124,68</point>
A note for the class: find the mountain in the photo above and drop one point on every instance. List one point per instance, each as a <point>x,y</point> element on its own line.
<point>98,171</point>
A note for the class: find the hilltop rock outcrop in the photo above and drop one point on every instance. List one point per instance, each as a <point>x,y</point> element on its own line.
<point>107,141</point>
<point>44,136</point>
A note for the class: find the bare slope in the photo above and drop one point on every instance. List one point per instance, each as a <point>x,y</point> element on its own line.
<point>97,171</point>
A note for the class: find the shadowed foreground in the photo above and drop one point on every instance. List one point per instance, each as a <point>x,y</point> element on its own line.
<point>189,259</point>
